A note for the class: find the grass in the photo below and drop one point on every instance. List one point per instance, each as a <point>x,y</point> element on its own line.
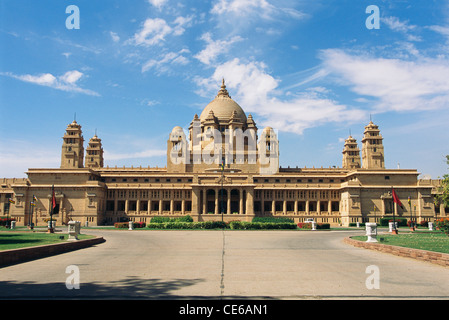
<point>437,242</point>
<point>16,240</point>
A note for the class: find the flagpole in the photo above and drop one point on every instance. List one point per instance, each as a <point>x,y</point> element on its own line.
<point>50,228</point>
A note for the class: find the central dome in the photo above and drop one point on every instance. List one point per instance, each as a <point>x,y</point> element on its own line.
<point>223,107</point>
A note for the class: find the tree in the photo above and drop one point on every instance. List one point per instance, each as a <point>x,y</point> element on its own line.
<point>442,196</point>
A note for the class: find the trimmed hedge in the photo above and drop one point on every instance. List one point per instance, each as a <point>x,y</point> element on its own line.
<point>303,225</point>
<point>402,222</point>
<point>243,225</point>
<point>188,225</point>
<point>272,220</point>
<point>168,219</point>
<point>121,225</point>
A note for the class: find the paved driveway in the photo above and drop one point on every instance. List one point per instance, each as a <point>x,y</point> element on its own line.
<point>225,264</point>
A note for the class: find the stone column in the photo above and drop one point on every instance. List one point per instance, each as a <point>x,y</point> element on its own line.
<point>149,206</point>
<point>217,201</point>
<point>240,201</point>
<point>228,192</point>
<point>250,202</point>
<point>204,209</point>
<point>195,197</point>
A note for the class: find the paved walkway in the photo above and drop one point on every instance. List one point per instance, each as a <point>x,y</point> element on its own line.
<point>225,264</point>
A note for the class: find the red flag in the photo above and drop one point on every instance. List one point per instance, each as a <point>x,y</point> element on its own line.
<point>396,199</point>
<point>53,198</point>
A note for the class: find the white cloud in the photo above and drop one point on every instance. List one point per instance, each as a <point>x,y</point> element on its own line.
<point>169,58</point>
<point>256,91</point>
<point>71,76</point>
<point>157,3</point>
<point>180,23</point>
<point>115,37</point>
<point>398,85</point>
<point>401,26</point>
<point>262,8</point>
<point>66,82</point>
<point>214,48</point>
<point>397,25</point>
<point>440,29</point>
<point>240,6</point>
<point>153,31</point>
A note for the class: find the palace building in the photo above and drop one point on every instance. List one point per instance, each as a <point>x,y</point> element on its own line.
<point>224,167</point>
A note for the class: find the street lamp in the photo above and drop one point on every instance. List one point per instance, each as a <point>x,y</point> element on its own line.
<point>412,227</point>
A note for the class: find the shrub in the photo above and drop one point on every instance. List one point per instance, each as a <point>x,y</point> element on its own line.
<point>401,221</point>
<point>272,220</point>
<point>424,224</point>
<point>303,225</point>
<point>6,220</point>
<point>323,226</point>
<point>121,225</point>
<point>160,219</point>
<point>168,219</point>
<point>443,225</point>
<point>243,225</point>
<point>139,224</point>
<point>188,225</point>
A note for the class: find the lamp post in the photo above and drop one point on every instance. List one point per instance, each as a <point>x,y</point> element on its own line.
<point>412,227</point>
<point>375,218</point>
<point>415,215</point>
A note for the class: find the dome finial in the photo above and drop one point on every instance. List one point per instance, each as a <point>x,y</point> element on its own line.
<point>223,91</point>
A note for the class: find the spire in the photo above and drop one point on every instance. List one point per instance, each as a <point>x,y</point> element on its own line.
<point>223,92</point>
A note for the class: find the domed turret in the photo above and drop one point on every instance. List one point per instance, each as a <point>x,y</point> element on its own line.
<point>223,108</point>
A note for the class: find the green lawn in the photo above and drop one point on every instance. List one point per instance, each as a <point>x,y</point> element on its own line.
<point>438,242</point>
<point>15,240</point>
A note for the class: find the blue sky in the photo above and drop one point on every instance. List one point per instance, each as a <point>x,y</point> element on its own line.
<point>312,70</point>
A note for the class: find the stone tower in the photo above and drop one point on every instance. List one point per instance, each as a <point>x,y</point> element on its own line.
<point>351,154</point>
<point>94,153</point>
<point>72,155</point>
<point>372,148</point>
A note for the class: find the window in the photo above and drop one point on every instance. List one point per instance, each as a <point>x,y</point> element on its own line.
<point>387,177</point>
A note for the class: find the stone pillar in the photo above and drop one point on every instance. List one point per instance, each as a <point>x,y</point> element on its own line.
<point>371,232</point>
<point>149,206</point>
<point>73,230</point>
<point>250,202</point>
<point>195,197</point>
<point>204,209</point>
<point>228,192</point>
<point>183,206</point>
<point>217,201</point>
<point>241,201</point>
